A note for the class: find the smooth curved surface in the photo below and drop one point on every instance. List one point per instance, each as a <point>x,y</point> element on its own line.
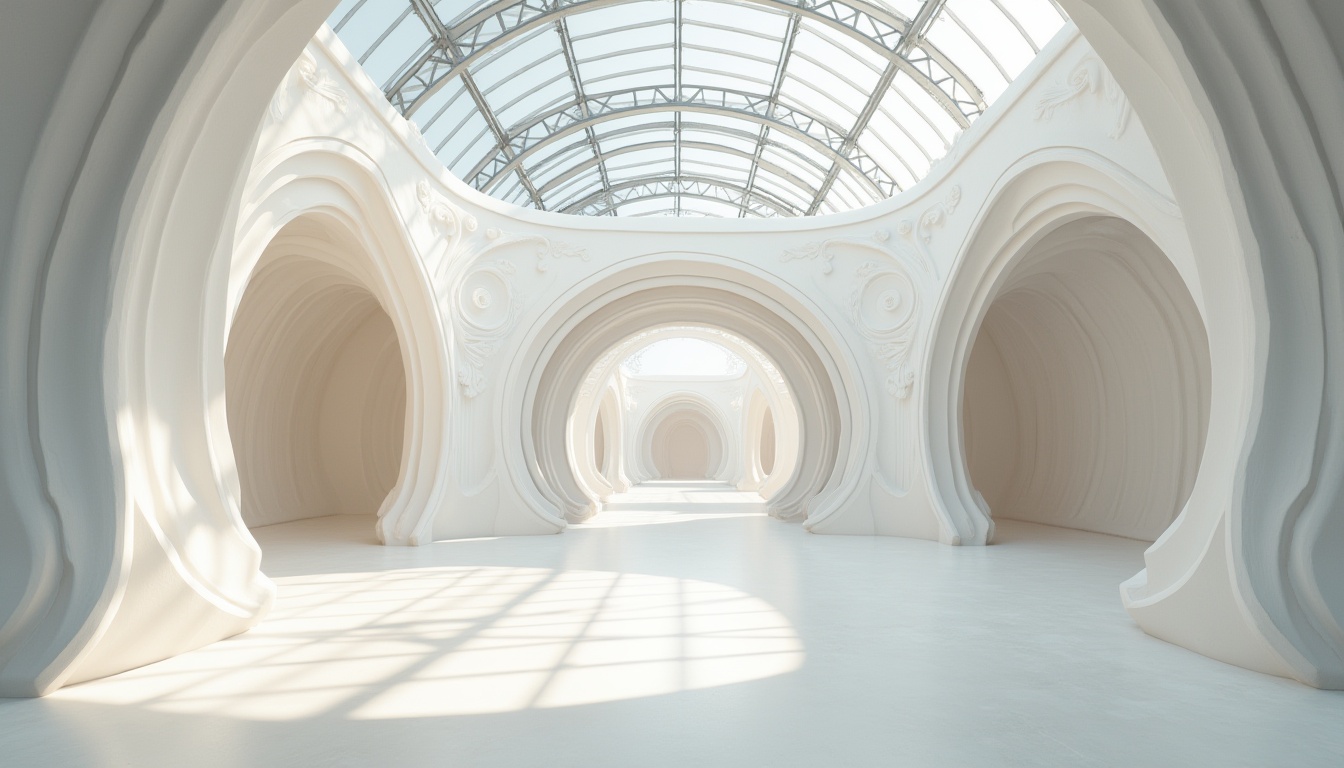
<point>316,391</point>
<point>1087,390</point>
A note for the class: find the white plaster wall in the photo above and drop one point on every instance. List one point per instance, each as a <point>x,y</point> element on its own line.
<point>1088,406</point>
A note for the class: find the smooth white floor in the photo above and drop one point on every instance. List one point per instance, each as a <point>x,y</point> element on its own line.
<point>678,638</point>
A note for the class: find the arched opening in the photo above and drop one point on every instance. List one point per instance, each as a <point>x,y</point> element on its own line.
<point>315,388</point>
<point>600,446</point>
<point>767,443</point>
<point>1086,396</point>
<point>682,447</point>
<point>589,335</point>
<point>692,403</point>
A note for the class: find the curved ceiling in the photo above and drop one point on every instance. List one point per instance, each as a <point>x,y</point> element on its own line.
<point>693,107</point>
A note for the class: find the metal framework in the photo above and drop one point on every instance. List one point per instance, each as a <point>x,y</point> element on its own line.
<point>772,107</point>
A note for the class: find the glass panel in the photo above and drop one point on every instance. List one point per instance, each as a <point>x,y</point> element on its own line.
<point>622,51</point>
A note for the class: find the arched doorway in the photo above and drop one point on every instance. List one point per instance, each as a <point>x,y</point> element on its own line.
<point>315,385</point>
<point>602,316</point>
<point>1086,398</point>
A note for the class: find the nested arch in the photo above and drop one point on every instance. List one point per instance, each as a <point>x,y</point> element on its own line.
<point>315,381</point>
<point>664,449</point>
<point>770,390</point>
<point>662,290</point>
<point>1070,377</point>
<point>354,235</point>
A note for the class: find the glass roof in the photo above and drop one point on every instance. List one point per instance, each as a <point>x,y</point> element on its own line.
<point>738,108</point>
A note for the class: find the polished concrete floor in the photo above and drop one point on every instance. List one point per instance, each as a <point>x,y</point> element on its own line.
<point>705,636</point>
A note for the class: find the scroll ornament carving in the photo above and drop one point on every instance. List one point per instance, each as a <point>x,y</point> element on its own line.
<point>486,303</point>
<point>919,232</point>
<point>883,307</point>
<point>880,243</point>
<point>443,213</point>
<point>313,79</point>
<point>1088,77</point>
<point>487,308</point>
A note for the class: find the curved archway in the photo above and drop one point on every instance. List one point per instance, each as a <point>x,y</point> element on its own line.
<point>664,291</point>
<point>685,437</point>
<point>686,444</point>
<point>315,385</point>
<point>330,182</point>
<point>1086,394</point>
<point>1041,196</point>
<point>768,391</point>
<point>765,458</point>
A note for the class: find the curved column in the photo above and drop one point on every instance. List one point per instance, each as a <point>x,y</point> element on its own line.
<point>122,206</point>
<point>1241,101</point>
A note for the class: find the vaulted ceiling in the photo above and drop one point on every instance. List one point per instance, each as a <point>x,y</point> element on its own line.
<point>693,107</point>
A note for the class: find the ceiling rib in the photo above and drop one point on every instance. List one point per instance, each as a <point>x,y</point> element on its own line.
<point>430,17</point>
<point>522,105</point>
<point>822,135</point>
<point>914,35</point>
<point>486,30</point>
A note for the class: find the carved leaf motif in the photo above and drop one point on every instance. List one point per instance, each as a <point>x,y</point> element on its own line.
<point>1088,77</point>
<point>554,250</point>
<point>311,78</point>
<point>810,251</point>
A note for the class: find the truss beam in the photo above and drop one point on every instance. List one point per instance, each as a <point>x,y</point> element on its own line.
<point>703,187</point>
<point>494,25</point>
<point>821,134</point>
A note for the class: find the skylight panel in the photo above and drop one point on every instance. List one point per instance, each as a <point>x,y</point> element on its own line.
<point>717,138</point>
<point>577,188</point>
<point>362,24</point>
<point>991,25</point>
<point>647,206</point>
<point>808,174</point>
<point>555,168</point>
<point>709,207</point>
<point>538,59</point>
<point>611,137</point>
<point>926,121</point>
<point>788,192</point>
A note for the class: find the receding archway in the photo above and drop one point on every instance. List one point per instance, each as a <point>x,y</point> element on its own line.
<point>1086,396</point>
<point>682,448</point>
<point>601,316</point>
<point>315,388</point>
